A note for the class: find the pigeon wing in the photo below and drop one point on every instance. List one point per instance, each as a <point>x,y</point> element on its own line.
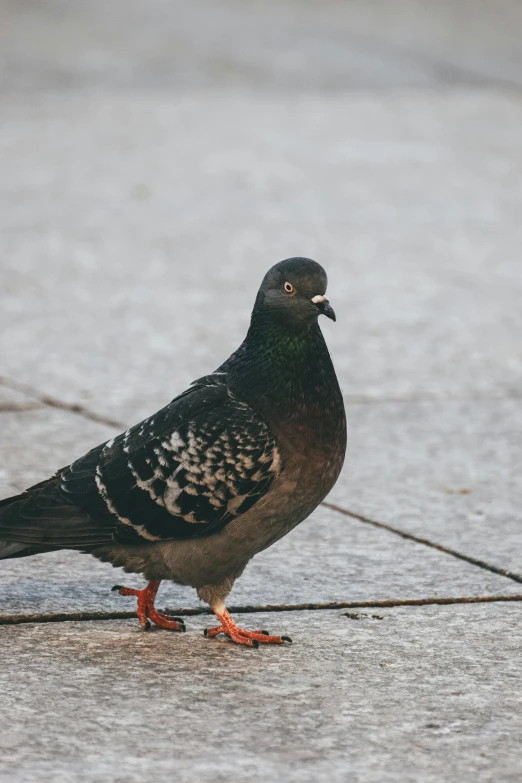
<point>184,472</point>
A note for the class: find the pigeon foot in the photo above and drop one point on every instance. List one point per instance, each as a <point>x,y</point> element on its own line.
<point>146,610</point>
<point>238,635</point>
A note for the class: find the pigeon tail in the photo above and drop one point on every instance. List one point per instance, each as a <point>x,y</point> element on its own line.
<point>9,549</point>
<point>12,549</point>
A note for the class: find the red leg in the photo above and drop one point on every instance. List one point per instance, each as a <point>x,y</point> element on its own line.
<point>238,635</point>
<point>146,610</point>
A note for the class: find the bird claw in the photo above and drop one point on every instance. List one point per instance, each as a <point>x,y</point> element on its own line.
<point>147,612</point>
<point>165,621</point>
<point>236,637</point>
<point>240,636</point>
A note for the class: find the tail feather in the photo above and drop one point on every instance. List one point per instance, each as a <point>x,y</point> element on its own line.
<point>41,519</point>
<point>12,499</point>
<point>25,494</point>
<point>12,549</point>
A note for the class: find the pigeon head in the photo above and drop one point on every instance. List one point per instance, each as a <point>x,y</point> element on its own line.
<point>293,293</point>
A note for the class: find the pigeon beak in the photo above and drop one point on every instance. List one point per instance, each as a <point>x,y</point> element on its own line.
<point>324,306</point>
<point>328,311</point>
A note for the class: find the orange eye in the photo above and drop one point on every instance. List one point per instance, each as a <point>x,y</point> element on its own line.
<point>289,288</point>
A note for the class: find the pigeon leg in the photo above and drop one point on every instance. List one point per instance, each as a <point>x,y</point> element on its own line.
<point>147,612</point>
<point>238,635</point>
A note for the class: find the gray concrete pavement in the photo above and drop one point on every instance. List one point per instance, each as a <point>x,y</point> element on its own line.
<point>278,45</point>
<point>155,159</point>
<point>448,471</point>
<point>402,698</point>
<point>126,218</point>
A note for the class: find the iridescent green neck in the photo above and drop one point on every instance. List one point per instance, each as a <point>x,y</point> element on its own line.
<point>283,374</point>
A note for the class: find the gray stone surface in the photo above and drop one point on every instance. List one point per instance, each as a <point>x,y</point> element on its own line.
<point>277,45</point>
<point>35,444</point>
<point>148,220</point>
<point>447,471</point>
<point>425,695</point>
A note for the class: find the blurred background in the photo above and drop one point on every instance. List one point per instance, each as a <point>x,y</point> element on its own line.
<point>157,157</point>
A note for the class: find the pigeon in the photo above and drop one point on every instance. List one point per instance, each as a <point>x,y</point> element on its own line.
<point>222,472</point>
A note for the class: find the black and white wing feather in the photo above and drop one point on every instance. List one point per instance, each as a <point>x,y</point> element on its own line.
<point>184,472</point>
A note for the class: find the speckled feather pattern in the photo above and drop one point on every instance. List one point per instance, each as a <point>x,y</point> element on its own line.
<point>161,483</point>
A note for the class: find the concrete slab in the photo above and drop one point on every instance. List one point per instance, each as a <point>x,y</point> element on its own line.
<point>147,221</point>
<point>420,695</point>
<point>444,471</point>
<point>279,45</point>
<point>34,444</point>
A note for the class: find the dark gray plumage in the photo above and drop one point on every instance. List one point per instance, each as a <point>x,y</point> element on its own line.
<point>222,472</point>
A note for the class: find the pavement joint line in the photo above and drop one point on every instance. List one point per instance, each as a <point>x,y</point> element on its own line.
<point>426,542</point>
<point>452,74</point>
<point>356,399</point>
<point>61,617</point>
<point>20,407</point>
<point>53,402</point>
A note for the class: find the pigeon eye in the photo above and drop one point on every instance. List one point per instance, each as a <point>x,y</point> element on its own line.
<point>289,288</point>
